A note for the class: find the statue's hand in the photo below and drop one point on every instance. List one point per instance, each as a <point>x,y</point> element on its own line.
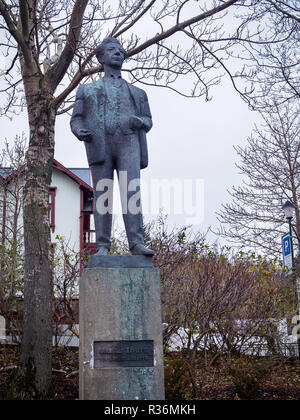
<point>85,135</point>
<point>136,123</point>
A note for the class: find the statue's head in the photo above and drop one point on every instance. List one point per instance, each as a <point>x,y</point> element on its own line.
<point>111,52</point>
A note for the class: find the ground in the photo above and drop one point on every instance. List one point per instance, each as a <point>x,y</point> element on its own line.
<point>231,378</point>
<point>65,372</point>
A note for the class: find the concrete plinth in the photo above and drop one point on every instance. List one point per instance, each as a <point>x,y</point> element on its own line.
<point>121,353</point>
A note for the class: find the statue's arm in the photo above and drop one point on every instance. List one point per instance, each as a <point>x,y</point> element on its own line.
<point>146,113</point>
<point>78,116</point>
<point>142,121</point>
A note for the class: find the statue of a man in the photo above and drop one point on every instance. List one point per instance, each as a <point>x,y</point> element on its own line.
<point>112,117</point>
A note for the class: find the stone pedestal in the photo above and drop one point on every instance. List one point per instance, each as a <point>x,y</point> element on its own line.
<point>121,353</point>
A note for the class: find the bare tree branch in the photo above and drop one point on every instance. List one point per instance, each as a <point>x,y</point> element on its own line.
<point>11,26</point>
<point>180,26</point>
<point>58,71</point>
<point>270,165</point>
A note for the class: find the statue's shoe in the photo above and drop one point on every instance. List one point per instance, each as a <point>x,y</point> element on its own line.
<point>140,249</point>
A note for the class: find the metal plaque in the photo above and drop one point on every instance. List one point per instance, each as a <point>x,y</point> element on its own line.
<point>108,354</point>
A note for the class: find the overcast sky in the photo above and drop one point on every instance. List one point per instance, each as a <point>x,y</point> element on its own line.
<point>190,140</point>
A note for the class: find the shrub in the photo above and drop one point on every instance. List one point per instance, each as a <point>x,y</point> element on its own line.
<point>247,376</point>
<point>176,378</point>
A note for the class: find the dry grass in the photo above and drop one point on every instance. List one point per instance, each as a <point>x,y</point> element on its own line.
<point>228,379</point>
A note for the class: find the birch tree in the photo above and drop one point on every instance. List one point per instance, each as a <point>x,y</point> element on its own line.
<point>49,48</point>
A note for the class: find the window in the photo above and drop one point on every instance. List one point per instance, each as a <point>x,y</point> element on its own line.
<point>52,193</point>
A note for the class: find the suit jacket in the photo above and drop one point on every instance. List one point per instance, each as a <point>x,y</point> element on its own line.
<point>89,113</point>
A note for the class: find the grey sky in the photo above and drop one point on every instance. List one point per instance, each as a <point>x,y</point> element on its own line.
<point>191,139</point>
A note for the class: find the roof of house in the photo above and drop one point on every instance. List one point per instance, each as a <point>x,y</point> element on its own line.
<point>75,176</point>
<point>79,175</point>
<point>82,173</point>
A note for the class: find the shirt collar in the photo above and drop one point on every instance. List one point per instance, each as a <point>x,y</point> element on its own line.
<point>112,76</point>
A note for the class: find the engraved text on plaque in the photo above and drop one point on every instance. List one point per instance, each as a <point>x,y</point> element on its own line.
<point>108,354</point>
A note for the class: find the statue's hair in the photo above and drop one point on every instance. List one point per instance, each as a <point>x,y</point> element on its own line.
<point>100,49</point>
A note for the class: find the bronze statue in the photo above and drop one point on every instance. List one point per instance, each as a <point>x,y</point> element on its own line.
<point>112,117</point>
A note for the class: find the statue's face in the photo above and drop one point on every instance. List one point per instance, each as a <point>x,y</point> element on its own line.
<point>113,55</point>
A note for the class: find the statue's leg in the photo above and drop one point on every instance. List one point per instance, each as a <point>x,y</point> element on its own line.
<point>128,170</point>
<point>102,175</point>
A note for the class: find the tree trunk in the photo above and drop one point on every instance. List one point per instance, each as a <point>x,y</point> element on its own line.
<point>33,378</point>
